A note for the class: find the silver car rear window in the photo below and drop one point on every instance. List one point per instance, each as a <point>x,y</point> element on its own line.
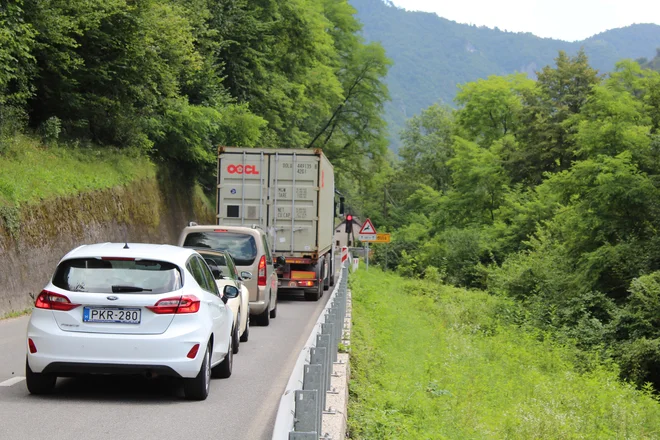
<point>242,247</point>
<point>117,275</point>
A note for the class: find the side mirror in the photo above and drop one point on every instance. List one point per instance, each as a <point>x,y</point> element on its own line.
<point>224,299</point>
<point>280,261</point>
<point>245,275</point>
<point>230,292</point>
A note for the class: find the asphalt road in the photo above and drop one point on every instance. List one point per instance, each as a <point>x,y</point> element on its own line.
<point>243,406</point>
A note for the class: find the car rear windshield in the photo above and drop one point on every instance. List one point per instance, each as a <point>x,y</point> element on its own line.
<point>242,247</point>
<point>108,275</point>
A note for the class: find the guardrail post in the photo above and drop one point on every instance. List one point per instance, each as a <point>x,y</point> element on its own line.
<point>319,356</point>
<point>329,329</point>
<point>306,408</point>
<point>336,306</point>
<point>323,340</point>
<point>312,380</point>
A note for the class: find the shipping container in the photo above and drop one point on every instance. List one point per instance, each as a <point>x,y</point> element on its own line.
<point>291,194</point>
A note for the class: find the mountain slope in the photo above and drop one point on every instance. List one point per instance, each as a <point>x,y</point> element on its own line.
<point>432,55</point>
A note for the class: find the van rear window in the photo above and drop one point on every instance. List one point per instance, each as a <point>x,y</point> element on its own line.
<point>99,275</point>
<point>242,247</point>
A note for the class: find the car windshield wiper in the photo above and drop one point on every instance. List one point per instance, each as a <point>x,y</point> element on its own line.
<point>120,289</point>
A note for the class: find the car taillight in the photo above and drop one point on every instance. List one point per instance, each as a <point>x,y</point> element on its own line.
<point>261,274</point>
<point>54,301</point>
<point>176,305</point>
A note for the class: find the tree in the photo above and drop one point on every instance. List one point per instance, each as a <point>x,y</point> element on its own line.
<point>546,118</point>
<point>355,128</point>
<point>109,68</point>
<point>428,148</point>
<point>479,184</point>
<point>16,45</point>
<point>490,108</point>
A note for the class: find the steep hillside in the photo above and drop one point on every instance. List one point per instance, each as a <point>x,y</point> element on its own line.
<point>653,64</point>
<point>432,55</point>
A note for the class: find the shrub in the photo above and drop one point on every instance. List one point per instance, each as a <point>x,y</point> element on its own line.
<point>50,129</point>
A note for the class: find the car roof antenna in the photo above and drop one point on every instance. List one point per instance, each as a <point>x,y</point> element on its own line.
<point>126,239</point>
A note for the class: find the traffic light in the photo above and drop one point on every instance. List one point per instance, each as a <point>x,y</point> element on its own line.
<point>349,223</point>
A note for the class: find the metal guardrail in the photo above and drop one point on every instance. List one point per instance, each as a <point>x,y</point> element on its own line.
<point>300,414</point>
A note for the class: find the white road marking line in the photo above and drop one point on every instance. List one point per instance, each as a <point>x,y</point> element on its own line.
<point>12,381</point>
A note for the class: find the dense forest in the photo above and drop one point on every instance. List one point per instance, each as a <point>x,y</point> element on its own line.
<point>546,191</point>
<point>176,78</point>
<point>432,54</point>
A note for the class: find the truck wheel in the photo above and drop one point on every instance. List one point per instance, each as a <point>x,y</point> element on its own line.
<point>330,277</point>
<point>314,295</point>
<point>273,313</point>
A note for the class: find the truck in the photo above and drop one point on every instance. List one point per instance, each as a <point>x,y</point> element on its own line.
<point>291,194</point>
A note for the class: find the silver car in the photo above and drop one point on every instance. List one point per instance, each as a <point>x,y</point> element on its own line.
<point>248,245</point>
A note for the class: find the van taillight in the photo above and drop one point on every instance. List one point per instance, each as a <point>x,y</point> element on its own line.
<point>176,305</point>
<point>54,301</point>
<point>261,277</point>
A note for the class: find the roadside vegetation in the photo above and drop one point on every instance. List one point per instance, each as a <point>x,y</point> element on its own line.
<point>173,79</point>
<point>33,172</point>
<point>547,192</point>
<point>430,361</point>
<point>16,313</point>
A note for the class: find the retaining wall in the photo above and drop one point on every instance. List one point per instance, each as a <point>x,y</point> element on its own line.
<point>147,211</point>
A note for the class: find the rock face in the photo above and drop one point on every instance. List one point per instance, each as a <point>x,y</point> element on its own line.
<point>147,211</point>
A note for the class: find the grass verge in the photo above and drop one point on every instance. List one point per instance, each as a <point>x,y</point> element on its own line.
<point>436,362</point>
<point>32,172</point>
<point>16,313</point>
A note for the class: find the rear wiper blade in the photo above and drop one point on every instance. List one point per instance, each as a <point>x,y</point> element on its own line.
<point>120,289</point>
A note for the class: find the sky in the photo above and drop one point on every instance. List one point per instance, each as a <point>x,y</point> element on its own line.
<point>568,20</point>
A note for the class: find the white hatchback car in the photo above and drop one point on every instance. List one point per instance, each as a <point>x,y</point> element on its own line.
<point>224,269</point>
<point>118,308</point>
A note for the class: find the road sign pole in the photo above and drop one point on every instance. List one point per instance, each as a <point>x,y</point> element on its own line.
<point>367,256</point>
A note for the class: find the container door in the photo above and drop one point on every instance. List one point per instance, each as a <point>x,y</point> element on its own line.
<point>242,188</point>
<point>294,203</point>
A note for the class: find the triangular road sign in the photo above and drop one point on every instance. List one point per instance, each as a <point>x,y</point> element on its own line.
<point>368,228</point>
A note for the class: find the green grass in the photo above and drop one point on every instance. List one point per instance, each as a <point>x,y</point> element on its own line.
<point>31,172</point>
<point>16,313</point>
<point>436,362</point>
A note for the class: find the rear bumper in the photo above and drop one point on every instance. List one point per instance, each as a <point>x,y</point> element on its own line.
<point>71,353</point>
<point>257,307</point>
<point>303,284</point>
<point>75,368</point>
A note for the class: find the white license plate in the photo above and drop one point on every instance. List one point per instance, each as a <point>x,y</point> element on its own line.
<point>120,315</point>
